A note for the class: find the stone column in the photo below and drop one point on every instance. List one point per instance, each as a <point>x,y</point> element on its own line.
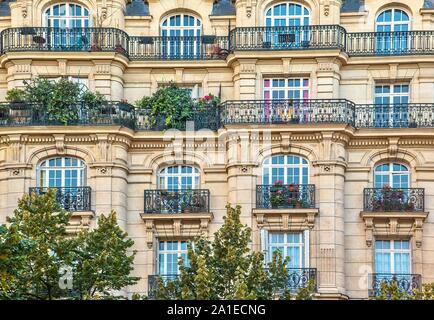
<point>328,78</point>
<point>245,79</point>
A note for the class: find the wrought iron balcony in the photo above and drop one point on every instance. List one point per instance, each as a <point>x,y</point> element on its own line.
<point>285,196</point>
<point>390,43</point>
<point>177,201</point>
<point>64,39</point>
<point>81,113</point>
<point>405,282</point>
<point>287,38</point>
<point>153,282</point>
<point>178,48</point>
<point>394,199</point>
<point>287,111</point>
<point>69,198</point>
<point>409,115</point>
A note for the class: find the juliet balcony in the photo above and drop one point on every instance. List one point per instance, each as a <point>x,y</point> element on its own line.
<point>76,200</point>
<point>176,213</point>
<point>285,206</point>
<point>405,282</point>
<point>394,199</point>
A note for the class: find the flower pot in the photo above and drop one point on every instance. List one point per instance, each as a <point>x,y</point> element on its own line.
<point>95,47</point>
<point>298,205</point>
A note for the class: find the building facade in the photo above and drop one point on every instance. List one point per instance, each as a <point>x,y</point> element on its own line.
<point>324,135</point>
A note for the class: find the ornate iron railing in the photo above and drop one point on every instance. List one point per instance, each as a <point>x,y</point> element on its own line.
<point>204,117</point>
<point>64,39</point>
<point>287,38</point>
<point>390,43</point>
<point>409,115</point>
<point>287,111</point>
<point>285,196</point>
<point>178,47</point>
<point>405,282</point>
<point>80,113</point>
<point>153,283</point>
<point>394,199</point>
<point>177,201</point>
<point>69,198</point>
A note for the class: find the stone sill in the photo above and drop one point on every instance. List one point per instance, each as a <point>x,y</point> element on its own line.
<point>394,214</point>
<point>181,216</point>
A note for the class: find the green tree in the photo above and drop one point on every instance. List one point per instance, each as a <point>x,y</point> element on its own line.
<point>101,261</point>
<point>390,290</point>
<point>226,268</point>
<point>35,249</point>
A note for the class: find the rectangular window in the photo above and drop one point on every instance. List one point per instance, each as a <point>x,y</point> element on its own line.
<point>290,244</point>
<point>293,88</point>
<point>392,256</point>
<point>391,105</point>
<point>169,253</point>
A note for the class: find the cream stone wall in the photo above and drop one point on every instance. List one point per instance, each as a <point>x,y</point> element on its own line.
<point>121,164</point>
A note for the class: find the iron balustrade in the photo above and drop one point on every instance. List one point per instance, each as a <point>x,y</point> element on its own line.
<point>64,39</point>
<point>178,47</point>
<point>409,115</point>
<point>153,283</point>
<point>285,196</point>
<point>394,199</point>
<point>297,278</point>
<point>203,117</point>
<point>287,111</point>
<point>389,43</point>
<point>405,282</point>
<point>177,201</point>
<point>80,113</point>
<point>287,38</point>
<point>69,198</point>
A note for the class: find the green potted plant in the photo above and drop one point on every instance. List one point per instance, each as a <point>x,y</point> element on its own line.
<point>16,98</point>
<point>277,196</point>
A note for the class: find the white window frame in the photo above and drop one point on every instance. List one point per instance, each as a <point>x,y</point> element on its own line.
<point>392,251</point>
<point>179,252</point>
<point>68,18</point>
<point>288,16</point>
<point>286,88</point>
<point>392,23</point>
<point>164,175</point>
<point>267,165</point>
<point>391,173</point>
<point>44,166</point>
<point>304,245</point>
<point>392,94</point>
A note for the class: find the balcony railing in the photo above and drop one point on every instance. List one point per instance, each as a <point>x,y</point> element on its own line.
<point>178,48</point>
<point>177,201</point>
<point>287,38</point>
<point>409,115</point>
<point>32,114</point>
<point>69,198</point>
<point>390,43</point>
<point>394,199</point>
<point>405,282</point>
<point>64,39</point>
<point>287,111</point>
<point>285,196</point>
<point>297,278</point>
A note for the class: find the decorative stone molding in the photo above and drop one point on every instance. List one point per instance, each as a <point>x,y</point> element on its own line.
<point>170,226</point>
<point>396,224</point>
<point>286,219</point>
<point>79,221</point>
<point>60,143</point>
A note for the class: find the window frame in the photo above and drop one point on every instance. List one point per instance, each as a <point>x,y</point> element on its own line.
<point>392,252</point>
<point>287,88</point>
<point>80,168</point>
<point>392,22</point>
<point>391,173</point>
<point>287,16</point>
<point>285,166</point>
<point>303,245</point>
<point>68,18</point>
<point>195,176</point>
<point>165,252</point>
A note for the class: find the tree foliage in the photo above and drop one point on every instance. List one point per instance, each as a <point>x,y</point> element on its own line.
<point>35,248</point>
<point>226,268</point>
<point>390,290</point>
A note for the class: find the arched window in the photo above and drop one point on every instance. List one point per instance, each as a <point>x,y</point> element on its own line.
<point>67,15</point>
<point>391,26</point>
<point>394,175</point>
<point>289,169</point>
<point>287,14</point>
<point>61,172</point>
<point>181,34</point>
<point>179,178</point>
